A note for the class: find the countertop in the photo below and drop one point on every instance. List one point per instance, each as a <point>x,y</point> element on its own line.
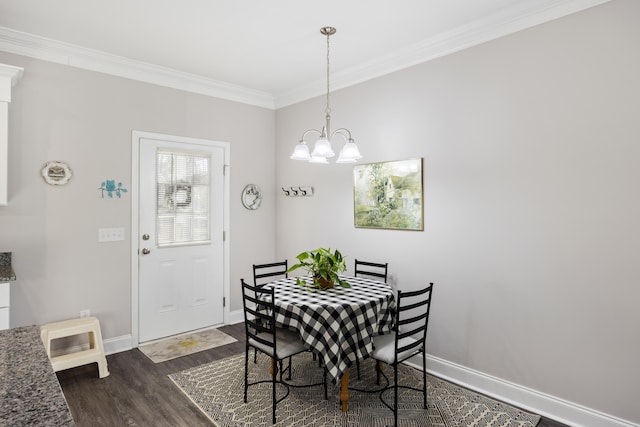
<point>30,393</point>
<point>6,270</point>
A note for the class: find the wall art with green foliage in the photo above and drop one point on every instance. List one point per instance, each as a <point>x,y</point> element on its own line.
<point>388,195</point>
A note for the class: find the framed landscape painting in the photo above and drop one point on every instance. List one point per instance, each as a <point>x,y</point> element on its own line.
<point>388,195</point>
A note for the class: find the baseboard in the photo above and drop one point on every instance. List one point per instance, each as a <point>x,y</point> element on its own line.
<point>563,411</point>
<point>118,344</point>
<point>235,317</point>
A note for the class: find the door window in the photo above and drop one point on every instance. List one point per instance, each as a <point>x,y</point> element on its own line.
<point>182,202</point>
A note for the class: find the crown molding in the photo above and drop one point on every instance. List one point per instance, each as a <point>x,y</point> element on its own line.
<point>75,56</point>
<point>522,15</point>
<point>14,74</point>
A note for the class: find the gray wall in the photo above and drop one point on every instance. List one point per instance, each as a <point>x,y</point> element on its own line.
<point>531,147</point>
<point>86,118</point>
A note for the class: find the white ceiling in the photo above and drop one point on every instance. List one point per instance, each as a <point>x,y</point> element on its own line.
<point>268,53</point>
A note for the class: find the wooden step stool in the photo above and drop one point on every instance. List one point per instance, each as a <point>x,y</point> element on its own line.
<point>67,328</point>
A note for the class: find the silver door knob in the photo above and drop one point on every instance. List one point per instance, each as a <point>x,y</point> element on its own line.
<point>145,251</point>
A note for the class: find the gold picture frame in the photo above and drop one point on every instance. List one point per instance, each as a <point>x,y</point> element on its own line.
<point>389,195</point>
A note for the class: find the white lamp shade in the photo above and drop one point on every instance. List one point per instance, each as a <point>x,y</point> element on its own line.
<point>301,152</point>
<point>323,149</point>
<point>349,153</point>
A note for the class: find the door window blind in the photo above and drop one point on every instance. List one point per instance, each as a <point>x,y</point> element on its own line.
<point>182,184</point>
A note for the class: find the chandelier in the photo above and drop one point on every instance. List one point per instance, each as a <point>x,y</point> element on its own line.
<point>322,149</point>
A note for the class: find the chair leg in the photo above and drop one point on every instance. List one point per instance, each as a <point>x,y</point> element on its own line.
<point>424,379</point>
<point>246,374</point>
<point>273,394</point>
<point>395,394</point>
<point>378,371</point>
<point>324,381</point>
<point>358,367</point>
<point>289,377</point>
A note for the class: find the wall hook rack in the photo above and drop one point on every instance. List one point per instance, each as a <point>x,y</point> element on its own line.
<point>298,191</point>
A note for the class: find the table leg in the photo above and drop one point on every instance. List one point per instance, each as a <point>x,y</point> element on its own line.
<point>272,367</point>
<point>344,391</point>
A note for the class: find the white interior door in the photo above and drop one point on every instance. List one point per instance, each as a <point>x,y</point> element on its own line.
<point>180,241</point>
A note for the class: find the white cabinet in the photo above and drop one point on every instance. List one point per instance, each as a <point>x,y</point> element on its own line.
<point>4,305</point>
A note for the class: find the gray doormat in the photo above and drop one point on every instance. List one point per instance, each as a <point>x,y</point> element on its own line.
<point>217,389</point>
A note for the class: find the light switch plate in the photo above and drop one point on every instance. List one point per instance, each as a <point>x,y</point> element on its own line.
<point>110,234</point>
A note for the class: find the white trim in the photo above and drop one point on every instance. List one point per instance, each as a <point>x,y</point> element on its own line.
<point>558,409</point>
<point>235,317</point>
<point>117,344</point>
<point>561,410</point>
<point>569,413</point>
<point>9,76</point>
<point>88,59</point>
<point>520,16</point>
<point>135,214</point>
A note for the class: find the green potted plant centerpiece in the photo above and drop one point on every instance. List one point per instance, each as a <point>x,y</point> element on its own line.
<point>324,266</point>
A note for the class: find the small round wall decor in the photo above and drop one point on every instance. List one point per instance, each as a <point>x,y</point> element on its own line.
<point>56,173</point>
<point>251,197</point>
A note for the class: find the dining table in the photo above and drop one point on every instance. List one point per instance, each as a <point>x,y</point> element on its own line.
<point>337,324</point>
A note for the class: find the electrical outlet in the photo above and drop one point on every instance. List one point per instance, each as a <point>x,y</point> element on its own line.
<point>85,313</point>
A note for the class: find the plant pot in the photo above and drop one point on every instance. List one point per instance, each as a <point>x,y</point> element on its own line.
<point>324,283</point>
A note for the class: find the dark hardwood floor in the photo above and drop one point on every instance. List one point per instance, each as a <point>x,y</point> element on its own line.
<point>138,392</point>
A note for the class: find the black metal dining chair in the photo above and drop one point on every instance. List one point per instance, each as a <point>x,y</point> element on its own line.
<point>264,273</point>
<point>371,269</point>
<point>262,335</point>
<point>407,339</point>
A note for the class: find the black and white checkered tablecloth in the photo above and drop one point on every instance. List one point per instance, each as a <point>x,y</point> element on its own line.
<point>336,323</point>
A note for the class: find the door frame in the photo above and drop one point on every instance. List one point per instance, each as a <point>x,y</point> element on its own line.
<point>136,136</point>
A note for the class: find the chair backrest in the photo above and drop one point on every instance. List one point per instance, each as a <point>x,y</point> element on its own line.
<point>412,319</point>
<point>259,314</point>
<point>371,269</point>
<point>264,273</point>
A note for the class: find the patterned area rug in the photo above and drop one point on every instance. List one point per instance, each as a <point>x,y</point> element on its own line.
<point>182,345</point>
<point>217,389</point>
